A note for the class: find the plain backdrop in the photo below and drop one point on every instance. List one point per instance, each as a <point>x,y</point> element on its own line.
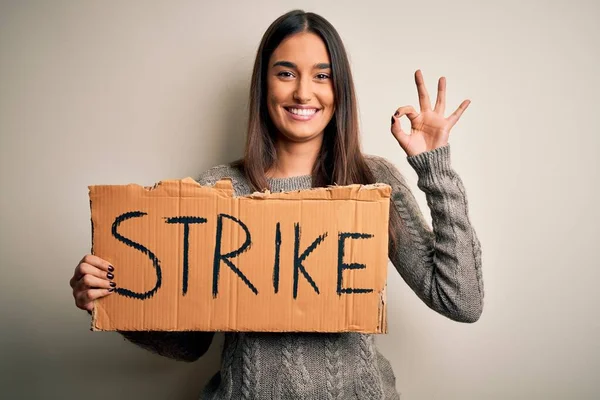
<point>112,92</point>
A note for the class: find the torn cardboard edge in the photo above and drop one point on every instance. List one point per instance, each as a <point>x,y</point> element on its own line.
<point>225,186</point>
<point>106,314</point>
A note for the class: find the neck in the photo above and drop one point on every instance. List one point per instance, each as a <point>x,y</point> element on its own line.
<point>295,158</point>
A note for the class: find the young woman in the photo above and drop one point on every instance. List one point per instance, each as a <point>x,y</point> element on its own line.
<point>303,133</point>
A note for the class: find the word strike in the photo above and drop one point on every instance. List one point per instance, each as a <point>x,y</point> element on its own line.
<point>226,259</point>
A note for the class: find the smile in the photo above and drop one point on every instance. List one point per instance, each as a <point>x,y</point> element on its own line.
<point>301,114</point>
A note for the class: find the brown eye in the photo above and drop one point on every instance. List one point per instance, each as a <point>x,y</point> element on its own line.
<point>285,74</point>
<point>322,76</point>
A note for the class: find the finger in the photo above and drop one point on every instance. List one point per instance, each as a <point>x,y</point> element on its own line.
<point>87,307</point>
<point>440,103</point>
<point>93,282</point>
<point>409,111</point>
<point>97,262</point>
<point>87,269</point>
<point>424,101</point>
<point>87,296</point>
<point>459,111</point>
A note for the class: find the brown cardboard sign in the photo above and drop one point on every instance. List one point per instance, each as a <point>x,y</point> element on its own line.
<point>192,257</point>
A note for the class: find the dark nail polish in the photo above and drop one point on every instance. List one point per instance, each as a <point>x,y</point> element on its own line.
<point>392,120</point>
<point>111,268</point>
<point>110,276</point>
<point>111,289</point>
<point>113,284</point>
<point>396,114</point>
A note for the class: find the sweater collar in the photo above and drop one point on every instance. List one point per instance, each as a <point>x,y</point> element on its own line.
<point>290,184</point>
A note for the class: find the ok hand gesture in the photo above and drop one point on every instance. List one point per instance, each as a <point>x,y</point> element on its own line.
<point>429,129</point>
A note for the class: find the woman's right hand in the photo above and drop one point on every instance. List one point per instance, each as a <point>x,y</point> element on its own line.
<point>92,279</point>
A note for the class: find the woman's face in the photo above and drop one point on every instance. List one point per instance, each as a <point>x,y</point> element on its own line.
<point>300,95</point>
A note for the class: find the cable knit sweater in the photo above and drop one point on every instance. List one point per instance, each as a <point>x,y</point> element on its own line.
<point>442,266</point>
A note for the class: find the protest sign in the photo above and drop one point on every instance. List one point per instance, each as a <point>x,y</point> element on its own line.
<point>192,257</point>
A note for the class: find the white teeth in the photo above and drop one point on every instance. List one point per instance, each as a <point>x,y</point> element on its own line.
<point>303,111</point>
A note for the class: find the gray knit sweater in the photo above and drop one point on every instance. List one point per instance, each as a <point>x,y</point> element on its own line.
<point>442,266</point>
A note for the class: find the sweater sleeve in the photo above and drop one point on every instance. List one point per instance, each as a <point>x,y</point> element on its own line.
<point>442,266</point>
<point>184,346</point>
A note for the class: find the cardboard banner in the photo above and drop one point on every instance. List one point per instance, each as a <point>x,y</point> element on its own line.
<point>192,257</point>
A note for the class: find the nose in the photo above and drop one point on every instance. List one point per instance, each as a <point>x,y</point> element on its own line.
<point>303,94</point>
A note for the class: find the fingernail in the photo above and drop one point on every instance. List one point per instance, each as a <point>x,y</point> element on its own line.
<point>392,120</point>
<point>110,276</point>
<point>111,268</point>
<point>113,284</point>
<point>111,289</point>
<point>396,114</point>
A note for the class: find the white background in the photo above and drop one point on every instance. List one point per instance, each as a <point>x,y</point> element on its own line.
<point>99,92</point>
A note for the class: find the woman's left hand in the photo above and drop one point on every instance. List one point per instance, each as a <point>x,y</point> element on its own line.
<point>429,129</point>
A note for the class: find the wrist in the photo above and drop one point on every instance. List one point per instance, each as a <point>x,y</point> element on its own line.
<point>437,159</point>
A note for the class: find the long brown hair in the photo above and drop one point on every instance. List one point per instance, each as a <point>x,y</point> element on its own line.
<point>340,160</point>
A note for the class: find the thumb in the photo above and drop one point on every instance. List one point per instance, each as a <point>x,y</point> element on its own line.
<point>397,131</point>
<point>396,127</point>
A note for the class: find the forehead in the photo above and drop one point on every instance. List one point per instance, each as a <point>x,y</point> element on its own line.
<point>303,49</point>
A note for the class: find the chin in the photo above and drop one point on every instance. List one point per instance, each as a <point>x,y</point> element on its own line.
<point>302,136</point>
<point>301,131</point>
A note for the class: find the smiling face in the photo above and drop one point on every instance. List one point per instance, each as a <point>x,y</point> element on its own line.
<point>300,96</point>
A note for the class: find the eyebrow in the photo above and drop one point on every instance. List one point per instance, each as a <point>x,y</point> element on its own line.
<point>290,64</point>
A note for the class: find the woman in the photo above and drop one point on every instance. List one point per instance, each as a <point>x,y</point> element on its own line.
<point>302,133</point>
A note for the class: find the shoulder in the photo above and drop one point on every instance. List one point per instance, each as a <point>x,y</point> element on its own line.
<point>377,162</point>
<point>384,170</point>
